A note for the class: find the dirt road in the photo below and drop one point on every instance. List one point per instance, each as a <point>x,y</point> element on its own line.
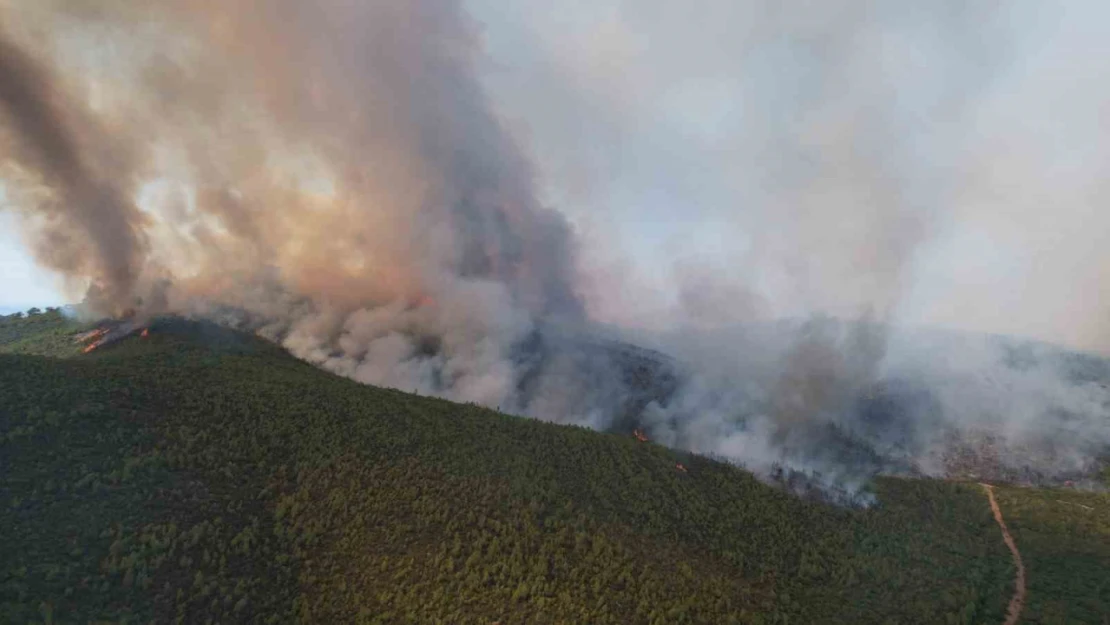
<point>1017,602</point>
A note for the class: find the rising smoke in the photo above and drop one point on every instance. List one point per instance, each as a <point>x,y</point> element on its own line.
<point>335,176</point>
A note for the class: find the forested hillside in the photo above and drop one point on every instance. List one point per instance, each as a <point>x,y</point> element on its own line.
<point>199,475</point>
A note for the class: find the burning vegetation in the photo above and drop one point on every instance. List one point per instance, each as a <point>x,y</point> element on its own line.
<point>92,339</point>
<point>85,337</point>
<point>110,332</point>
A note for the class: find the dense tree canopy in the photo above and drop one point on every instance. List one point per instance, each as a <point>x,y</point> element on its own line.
<point>198,475</point>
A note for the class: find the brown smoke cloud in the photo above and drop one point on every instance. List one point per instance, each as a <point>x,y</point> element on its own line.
<point>346,145</point>
<point>76,179</point>
<point>331,176</point>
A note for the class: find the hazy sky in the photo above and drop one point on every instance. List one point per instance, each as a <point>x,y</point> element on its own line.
<point>24,284</point>
<point>941,162</point>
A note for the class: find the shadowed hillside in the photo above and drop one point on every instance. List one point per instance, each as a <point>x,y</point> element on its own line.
<point>199,473</point>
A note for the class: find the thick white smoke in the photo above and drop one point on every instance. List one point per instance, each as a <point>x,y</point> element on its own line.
<point>934,164</point>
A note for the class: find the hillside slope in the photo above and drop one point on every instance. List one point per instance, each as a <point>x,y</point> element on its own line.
<point>199,475</point>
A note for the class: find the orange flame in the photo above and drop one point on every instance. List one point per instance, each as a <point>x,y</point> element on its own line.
<point>678,465</point>
<point>89,336</point>
<point>96,337</point>
<point>640,436</point>
<point>145,333</point>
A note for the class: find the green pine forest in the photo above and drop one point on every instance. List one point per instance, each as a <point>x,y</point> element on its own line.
<point>204,476</point>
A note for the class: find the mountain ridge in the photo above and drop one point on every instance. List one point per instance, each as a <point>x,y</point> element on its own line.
<point>198,473</point>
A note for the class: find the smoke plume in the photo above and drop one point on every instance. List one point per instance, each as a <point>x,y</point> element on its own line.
<point>774,197</point>
<point>77,181</point>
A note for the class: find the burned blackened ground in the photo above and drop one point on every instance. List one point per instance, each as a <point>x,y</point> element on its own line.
<point>607,382</point>
<point>898,417</point>
<point>212,336</point>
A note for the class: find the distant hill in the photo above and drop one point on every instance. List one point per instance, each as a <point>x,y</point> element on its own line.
<point>203,475</point>
<point>865,398</point>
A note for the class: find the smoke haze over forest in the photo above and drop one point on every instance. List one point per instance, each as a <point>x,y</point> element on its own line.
<point>465,199</point>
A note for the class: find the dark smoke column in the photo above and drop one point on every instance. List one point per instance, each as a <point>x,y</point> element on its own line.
<point>89,228</point>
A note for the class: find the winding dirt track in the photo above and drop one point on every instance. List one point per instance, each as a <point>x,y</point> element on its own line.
<point>1017,602</point>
